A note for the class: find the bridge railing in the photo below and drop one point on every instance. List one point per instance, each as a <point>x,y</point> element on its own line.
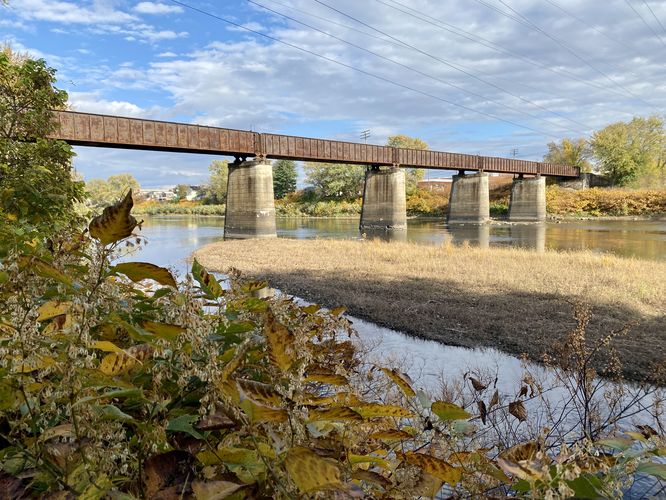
<point>89,129</point>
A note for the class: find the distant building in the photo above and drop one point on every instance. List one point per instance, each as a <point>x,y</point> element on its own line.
<point>194,193</point>
<point>161,194</point>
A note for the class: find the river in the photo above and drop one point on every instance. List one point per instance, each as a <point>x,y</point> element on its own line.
<point>170,240</point>
<point>644,239</point>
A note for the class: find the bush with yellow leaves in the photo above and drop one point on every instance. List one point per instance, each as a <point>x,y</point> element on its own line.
<point>118,382</point>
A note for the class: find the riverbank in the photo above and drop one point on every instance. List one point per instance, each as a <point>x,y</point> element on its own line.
<point>515,300</point>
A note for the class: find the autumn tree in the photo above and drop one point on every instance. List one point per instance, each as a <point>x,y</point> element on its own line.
<point>101,192</point>
<point>574,152</point>
<point>216,189</point>
<point>633,152</point>
<point>412,175</point>
<point>284,178</point>
<point>36,182</point>
<point>335,181</point>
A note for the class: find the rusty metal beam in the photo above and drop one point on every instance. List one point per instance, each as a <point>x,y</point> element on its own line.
<point>86,129</point>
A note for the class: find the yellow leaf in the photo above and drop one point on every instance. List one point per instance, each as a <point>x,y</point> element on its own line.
<point>435,466</point>
<point>367,459</point>
<point>391,435</point>
<point>118,363</point>
<point>115,223</point>
<point>138,271</point>
<point>521,461</point>
<point>338,311</point>
<point>379,410</point>
<point>106,346</point>
<point>259,413</point>
<point>449,411</point>
<point>214,490</point>
<point>37,363</point>
<point>335,414</point>
<point>163,330</point>
<point>325,377</point>
<point>260,393</point>
<point>309,471</point>
<point>53,308</point>
<point>401,380</point>
<point>280,343</point>
<point>45,270</point>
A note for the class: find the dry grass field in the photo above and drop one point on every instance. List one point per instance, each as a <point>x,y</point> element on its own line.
<point>516,300</point>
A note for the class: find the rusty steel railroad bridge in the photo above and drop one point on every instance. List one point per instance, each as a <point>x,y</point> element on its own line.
<point>250,210</point>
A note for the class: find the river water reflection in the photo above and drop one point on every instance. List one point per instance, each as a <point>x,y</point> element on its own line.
<point>170,236</point>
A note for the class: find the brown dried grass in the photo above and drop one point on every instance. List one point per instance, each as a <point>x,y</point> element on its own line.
<point>515,300</point>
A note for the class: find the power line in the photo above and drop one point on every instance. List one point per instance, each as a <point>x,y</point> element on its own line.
<point>448,63</point>
<point>410,68</point>
<point>491,45</point>
<point>568,49</point>
<point>591,26</point>
<point>654,15</point>
<point>645,22</point>
<point>358,70</point>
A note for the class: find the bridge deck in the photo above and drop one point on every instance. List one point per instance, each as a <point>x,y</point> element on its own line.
<point>86,129</point>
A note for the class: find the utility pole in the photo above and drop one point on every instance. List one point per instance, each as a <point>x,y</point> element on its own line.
<point>365,134</point>
<point>514,152</point>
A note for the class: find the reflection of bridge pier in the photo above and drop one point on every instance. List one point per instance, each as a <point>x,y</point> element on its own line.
<point>476,234</point>
<point>250,211</point>
<point>532,236</point>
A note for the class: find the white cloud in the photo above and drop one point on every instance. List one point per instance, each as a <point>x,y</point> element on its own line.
<point>167,54</point>
<point>70,12</point>
<point>156,8</point>
<point>90,102</point>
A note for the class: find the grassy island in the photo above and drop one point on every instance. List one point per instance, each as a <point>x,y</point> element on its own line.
<point>515,300</point>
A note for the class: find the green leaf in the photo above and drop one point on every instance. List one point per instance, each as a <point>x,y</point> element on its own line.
<point>587,486</point>
<point>653,469</point>
<point>619,444</point>
<point>111,412</point>
<point>163,330</point>
<point>138,271</point>
<point>185,423</point>
<point>448,411</point>
<point>4,277</point>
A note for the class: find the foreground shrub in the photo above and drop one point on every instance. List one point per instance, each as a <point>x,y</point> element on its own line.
<point>114,378</point>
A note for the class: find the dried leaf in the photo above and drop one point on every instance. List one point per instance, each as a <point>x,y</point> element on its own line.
<point>483,412</point>
<point>517,409</point>
<point>311,472</point>
<point>339,414</point>
<point>138,271</point>
<point>647,431</point>
<point>478,386</point>
<point>260,393</point>
<point>373,477</point>
<point>115,223</point>
<point>494,400</point>
<point>523,391</point>
<point>391,435</point>
<point>379,410</point>
<point>165,470</point>
<point>280,343</point>
<point>449,411</point>
<point>435,466</point>
<point>214,490</point>
<point>521,461</point>
<point>401,380</point>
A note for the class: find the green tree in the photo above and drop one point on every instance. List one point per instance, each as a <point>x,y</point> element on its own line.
<point>36,182</point>
<point>216,190</point>
<point>575,152</point>
<point>102,192</point>
<point>284,178</point>
<point>633,152</point>
<point>181,191</point>
<point>335,181</point>
<point>412,175</point>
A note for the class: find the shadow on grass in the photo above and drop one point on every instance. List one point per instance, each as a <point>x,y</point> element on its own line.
<point>514,322</point>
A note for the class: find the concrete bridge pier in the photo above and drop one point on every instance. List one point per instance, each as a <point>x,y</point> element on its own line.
<point>528,199</point>
<point>250,211</point>
<point>384,201</point>
<point>469,201</point>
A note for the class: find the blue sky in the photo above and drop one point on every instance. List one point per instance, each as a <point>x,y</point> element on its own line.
<point>476,76</point>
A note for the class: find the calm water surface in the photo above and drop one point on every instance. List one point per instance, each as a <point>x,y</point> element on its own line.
<point>172,238</point>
